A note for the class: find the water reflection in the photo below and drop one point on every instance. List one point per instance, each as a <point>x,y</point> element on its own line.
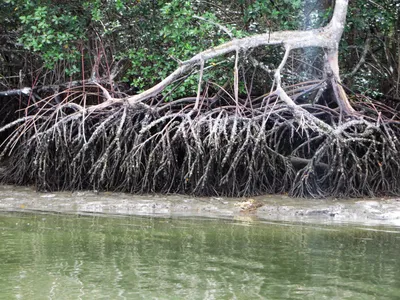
<point>76,257</point>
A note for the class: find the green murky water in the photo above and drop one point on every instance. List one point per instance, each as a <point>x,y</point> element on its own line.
<point>90,257</point>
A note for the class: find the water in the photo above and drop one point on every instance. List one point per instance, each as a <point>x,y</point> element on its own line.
<point>50,256</point>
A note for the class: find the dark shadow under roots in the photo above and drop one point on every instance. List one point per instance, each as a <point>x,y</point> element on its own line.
<point>223,150</point>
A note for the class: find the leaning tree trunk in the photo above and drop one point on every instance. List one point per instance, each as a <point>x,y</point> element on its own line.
<point>327,37</point>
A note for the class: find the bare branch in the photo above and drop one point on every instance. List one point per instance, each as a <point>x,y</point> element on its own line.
<point>367,47</point>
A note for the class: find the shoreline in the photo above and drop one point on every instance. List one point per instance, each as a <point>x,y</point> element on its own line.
<point>365,211</point>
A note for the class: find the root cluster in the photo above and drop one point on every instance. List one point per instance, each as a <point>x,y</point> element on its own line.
<point>222,147</point>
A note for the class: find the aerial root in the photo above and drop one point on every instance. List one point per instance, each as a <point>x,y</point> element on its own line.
<point>305,150</point>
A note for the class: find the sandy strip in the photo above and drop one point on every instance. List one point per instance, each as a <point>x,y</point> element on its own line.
<point>371,212</point>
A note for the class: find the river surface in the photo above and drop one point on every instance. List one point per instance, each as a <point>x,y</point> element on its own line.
<point>89,245</point>
<point>70,256</point>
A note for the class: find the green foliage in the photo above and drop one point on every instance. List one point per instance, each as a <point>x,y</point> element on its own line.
<point>52,32</point>
<point>379,22</point>
<point>271,16</point>
<point>156,34</point>
<point>176,36</point>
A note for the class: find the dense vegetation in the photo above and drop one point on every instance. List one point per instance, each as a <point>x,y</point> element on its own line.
<point>55,55</point>
<point>52,42</point>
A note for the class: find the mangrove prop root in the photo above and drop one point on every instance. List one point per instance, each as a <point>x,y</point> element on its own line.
<point>208,151</point>
<point>220,145</point>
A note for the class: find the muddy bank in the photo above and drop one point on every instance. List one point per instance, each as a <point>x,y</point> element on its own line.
<point>379,211</point>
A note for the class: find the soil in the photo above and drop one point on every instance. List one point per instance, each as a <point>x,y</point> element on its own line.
<point>377,211</point>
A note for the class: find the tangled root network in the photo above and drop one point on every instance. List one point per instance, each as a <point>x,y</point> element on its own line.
<point>231,149</point>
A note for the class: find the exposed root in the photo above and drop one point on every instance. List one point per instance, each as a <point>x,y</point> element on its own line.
<point>268,148</point>
<point>220,145</point>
